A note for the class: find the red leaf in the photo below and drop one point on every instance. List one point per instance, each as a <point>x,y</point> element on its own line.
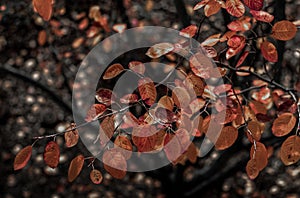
<point>94,112</point>
<point>189,31</point>
<point>243,24</point>
<point>43,7</point>
<point>235,8</point>
<point>75,168</point>
<point>129,98</point>
<point>262,16</point>
<point>202,66</point>
<point>71,137</point>
<point>269,51</point>
<point>254,4</point>
<point>51,154</point>
<point>105,96</point>
<point>284,30</point>
<point>22,158</point>
<point>212,40</point>
<point>115,163</point>
<point>212,7</point>
<point>242,58</point>
<point>137,67</point>
<point>113,71</point>
<point>147,90</point>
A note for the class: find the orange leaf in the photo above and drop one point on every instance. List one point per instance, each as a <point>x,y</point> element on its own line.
<point>236,43</point>
<point>71,137</point>
<point>251,169</point>
<point>94,112</point>
<point>42,37</point>
<point>269,51</point>
<point>51,154</point>
<point>226,138</point>
<point>200,4</point>
<point>243,24</point>
<point>212,7</point>
<point>262,16</point>
<point>75,167</point>
<point>254,4</point>
<point>159,50</point>
<point>195,84</point>
<point>255,130</point>
<point>290,150</point>
<point>113,71</point>
<point>284,124</point>
<point>147,90</point>
<point>166,102</point>
<point>181,97</point>
<point>242,58</point>
<point>96,176</point>
<point>260,155</point>
<point>129,98</point>
<point>106,130</point>
<point>115,163</point>
<point>284,30</point>
<point>43,7</point>
<point>22,158</point>
<point>235,7</point>
<point>123,142</point>
<point>189,31</point>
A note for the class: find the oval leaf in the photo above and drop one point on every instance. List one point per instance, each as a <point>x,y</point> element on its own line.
<point>96,176</point>
<point>147,90</point>
<point>254,4</point>
<point>284,30</point>
<point>262,16</point>
<point>115,163</point>
<point>112,71</point>
<point>227,137</point>
<point>137,67</point>
<point>72,136</point>
<point>260,154</point>
<point>235,8</point>
<point>51,154</point>
<point>123,142</point>
<point>269,51</point>
<point>75,168</point>
<point>189,31</point>
<point>22,158</point>
<point>284,124</point>
<point>159,50</point>
<point>251,169</point>
<point>290,150</point>
<point>43,7</point>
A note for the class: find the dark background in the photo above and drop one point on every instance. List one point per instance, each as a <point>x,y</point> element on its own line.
<point>35,99</point>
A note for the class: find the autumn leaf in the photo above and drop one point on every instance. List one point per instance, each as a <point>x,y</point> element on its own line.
<point>201,65</point>
<point>96,176</point>
<point>42,37</point>
<point>242,58</point>
<point>284,124</point>
<point>129,98</point>
<point>242,24</point>
<point>114,163</point>
<point>123,143</point>
<point>51,154</point>
<point>260,154</point>
<point>147,90</point>
<point>211,40</point>
<point>137,67</point>
<point>159,50</point>
<point>226,138</point>
<point>251,169</point>
<point>200,4</point>
<point>262,16</point>
<point>254,4</point>
<point>290,150</point>
<point>235,8</point>
<point>43,7</point>
<point>105,96</point>
<point>189,31</point>
<point>72,136</point>
<point>22,158</point>
<point>75,167</point>
<point>94,112</point>
<point>284,30</point>
<point>113,71</point>
<point>255,131</point>
<point>269,51</point>
<point>106,131</point>
<point>212,7</point>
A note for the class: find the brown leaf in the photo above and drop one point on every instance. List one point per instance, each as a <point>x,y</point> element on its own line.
<point>290,150</point>
<point>148,139</point>
<point>129,98</point>
<point>105,96</point>
<point>242,58</point>
<point>254,4</point>
<point>200,4</point>
<point>195,84</point>
<point>106,130</point>
<point>284,30</point>
<point>242,24</point>
<point>71,137</point>
<point>235,8</point>
<point>255,130</point>
<point>159,50</point>
<point>96,176</point>
<point>123,142</point>
<point>201,65</point>
<point>137,67</point>
<point>75,167</point>
<point>147,90</point>
<point>42,37</point>
<point>212,7</point>
<point>269,51</point>
<point>115,163</point>
<point>284,124</point>
<point>166,102</point>
<point>211,40</point>
<point>94,112</point>
<point>260,154</point>
<point>181,97</point>
<point>227,138</point>
<point>44,8</point>
<point>251,169</point>
<point>113,71</point>
<point>51,154</point>
<point>22,158</point>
